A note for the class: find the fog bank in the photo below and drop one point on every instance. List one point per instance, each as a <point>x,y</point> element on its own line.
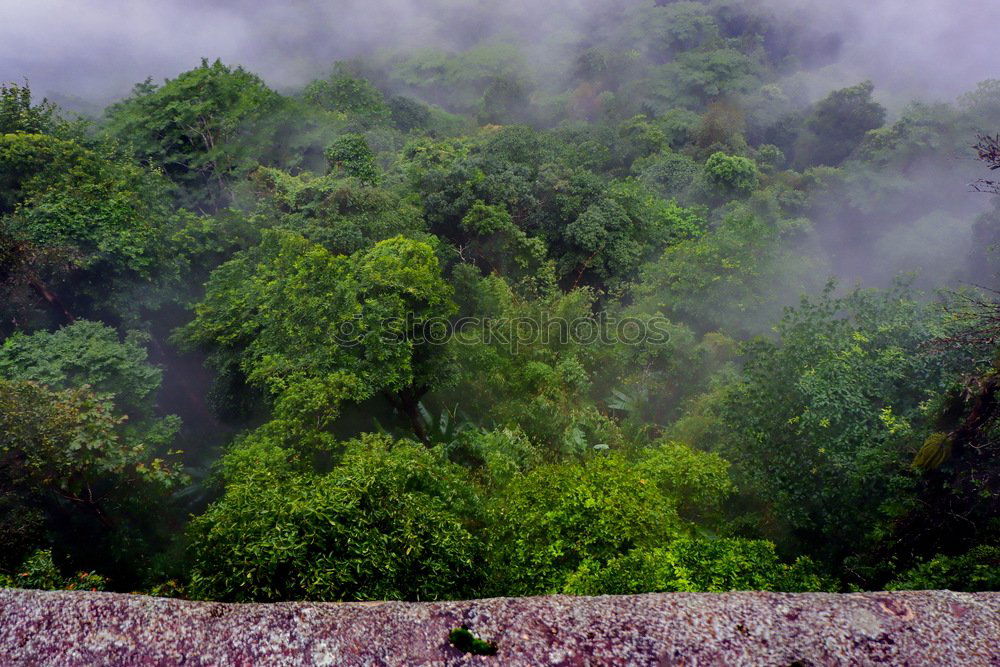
<point>97,49</point>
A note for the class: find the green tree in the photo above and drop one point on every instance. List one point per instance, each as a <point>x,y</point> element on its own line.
<point>557,519</point>
<point>670,29</point>
<point>409,114</point>
<point>735,277</point>
<point>86,353</point>
<point>505,100</point>
<point>606,243</point>
<point>838,123</point>
<point>18,114</point>
<point>314,329</point>
<point>817,427</point>
<point>344,93</point>
<point>66,196</point>
<point>72,479</point>
<point>76,227</point>
<point>387,521</point>
<point>731,174</point>
<point>501,247</point>
<point>696,78</point>
<point>202,128</point>
<point>343,215</point>
<point>668,174</point>
<point>519,368</point>
<point>350,155</point>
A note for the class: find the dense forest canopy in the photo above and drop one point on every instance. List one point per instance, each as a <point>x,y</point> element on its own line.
<point>635,302</point>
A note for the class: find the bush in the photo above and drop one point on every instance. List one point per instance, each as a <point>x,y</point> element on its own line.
<point>351,156</point>
<point>389,521</point>
<point>39,571</point>
<point>732,174</point>
<point>976,570</point>
<point>553,520</point>
<point>697,565</point>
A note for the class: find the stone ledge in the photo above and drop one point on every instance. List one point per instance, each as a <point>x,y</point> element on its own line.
<point>912,628</point>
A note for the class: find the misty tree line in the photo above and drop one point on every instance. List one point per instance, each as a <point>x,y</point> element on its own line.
<point>193,250</point>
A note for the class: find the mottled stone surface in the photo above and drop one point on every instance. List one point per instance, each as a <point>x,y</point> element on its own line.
<point>922,628</point>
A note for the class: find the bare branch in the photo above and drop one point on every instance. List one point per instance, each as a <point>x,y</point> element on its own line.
<point>988,151</point>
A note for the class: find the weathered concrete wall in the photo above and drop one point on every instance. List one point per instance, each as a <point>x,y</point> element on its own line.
<point>925,628</point>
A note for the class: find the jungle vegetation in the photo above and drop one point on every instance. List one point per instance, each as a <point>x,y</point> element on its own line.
<point>216,379</point>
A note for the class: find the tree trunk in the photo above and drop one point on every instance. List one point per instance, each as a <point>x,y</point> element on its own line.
<point>53,299</point>
<point>407,402</point>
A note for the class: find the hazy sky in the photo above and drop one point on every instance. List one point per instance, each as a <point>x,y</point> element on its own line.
<point>99,48</point>
<point>919,48</point>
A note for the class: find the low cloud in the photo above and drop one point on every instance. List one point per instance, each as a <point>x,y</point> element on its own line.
<point>97,49</point>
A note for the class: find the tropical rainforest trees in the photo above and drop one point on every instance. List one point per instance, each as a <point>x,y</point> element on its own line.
<point>202,128</point>
<point>19,114</point>
<point>477,325</point>
<point>389,520</point>
<point>838,123</point>
<point>74,479</point>
<point>79,225</point>
<point>315,330</point>
<point>87,354</point>
<point>83,449</point>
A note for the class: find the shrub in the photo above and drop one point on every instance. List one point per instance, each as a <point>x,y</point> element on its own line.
<point>697,565</point>
<point>550,522</point>
<point>39,571</point>
<point>389,521</point>
<point>976,570</point>
<point>732,173</point>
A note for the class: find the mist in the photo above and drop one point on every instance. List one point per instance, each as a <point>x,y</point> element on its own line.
<point>910,49</point>
<point>95,50</point>
<point>82,49</point>
<point>289,336</point>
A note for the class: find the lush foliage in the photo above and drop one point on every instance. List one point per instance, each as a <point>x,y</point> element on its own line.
<point>68,468</point>
<point>85,353</point>
<point>199,128</point>
<point>388,521</point>
<point>613,312</point>
<point>556,520</point>
<point>38,571</point>
<point>979,569</point>
<point>698,565</point>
